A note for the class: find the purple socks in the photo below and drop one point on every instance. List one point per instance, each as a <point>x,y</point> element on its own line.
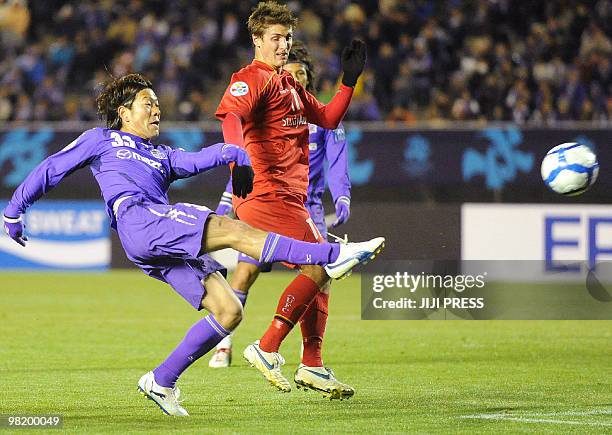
<point>242,296</point>
<point>280,248</point>
<point>201,337</point>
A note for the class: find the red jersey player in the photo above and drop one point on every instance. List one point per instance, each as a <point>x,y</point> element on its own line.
<point>265,110</point>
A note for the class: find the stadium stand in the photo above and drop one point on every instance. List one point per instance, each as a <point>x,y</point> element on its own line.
<point>494,60</point>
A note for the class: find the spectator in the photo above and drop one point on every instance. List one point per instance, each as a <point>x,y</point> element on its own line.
<point>14,23</point>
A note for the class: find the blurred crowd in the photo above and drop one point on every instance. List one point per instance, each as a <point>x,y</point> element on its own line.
<point>501,60</point>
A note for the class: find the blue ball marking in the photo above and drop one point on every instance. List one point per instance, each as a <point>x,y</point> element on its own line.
<point>562,150</point>
<point>573,167</point>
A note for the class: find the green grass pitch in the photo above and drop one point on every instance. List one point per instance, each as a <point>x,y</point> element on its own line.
<point>76,344</point>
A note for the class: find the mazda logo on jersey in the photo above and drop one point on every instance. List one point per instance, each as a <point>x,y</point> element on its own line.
<point>128,154</point>
<point>124,154</point>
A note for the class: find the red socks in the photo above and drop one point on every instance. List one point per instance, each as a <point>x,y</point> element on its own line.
<point>291,306</point>
<point>313,328</point>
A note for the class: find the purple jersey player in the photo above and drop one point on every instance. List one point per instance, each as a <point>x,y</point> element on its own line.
<point>170,242</point>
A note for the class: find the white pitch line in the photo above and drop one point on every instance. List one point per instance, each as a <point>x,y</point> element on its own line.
<point>547,420</point>
<point>544,414</point>
<point>578,413</point>
<point>528,418</point>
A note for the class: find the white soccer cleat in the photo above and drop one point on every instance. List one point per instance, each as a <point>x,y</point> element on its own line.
<point>353,254</point>
<point>165,398</point>
<point>269,364</point>
<point>222,358</point>
<point>322,379</point>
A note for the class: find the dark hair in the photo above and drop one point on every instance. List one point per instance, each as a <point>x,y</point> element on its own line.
<point>119,92</point>
<point>299,54</point>
<point>267,14</point>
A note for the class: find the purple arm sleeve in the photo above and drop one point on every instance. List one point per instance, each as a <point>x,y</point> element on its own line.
<point>185,164</point>
<point>51,171</point>
<point>336,153</point>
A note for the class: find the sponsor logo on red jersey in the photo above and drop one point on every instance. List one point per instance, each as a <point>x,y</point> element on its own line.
<point>238,89</point>
<point>294,121</point>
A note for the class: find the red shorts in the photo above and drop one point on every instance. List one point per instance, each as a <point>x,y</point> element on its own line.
<point>285,215</point>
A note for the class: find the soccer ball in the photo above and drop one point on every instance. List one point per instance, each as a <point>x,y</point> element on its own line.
<point>570,168</point>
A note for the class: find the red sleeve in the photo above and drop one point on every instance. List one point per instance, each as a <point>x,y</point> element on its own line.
<point>326,115</point>
<point>232,129</point>
<point>240,97</point>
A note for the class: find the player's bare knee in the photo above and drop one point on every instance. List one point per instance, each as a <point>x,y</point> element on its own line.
<point>229,315</point>
<point>221,301</point>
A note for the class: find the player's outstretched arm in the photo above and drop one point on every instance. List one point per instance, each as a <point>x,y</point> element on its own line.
<point>329,115</point>
<point>186,164</point>
<point>48,174</point>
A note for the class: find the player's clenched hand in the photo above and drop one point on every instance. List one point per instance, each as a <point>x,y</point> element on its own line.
<point>353,60</point>
<point>343,211</point>
<point>14,228</point>
<point>242,180</point>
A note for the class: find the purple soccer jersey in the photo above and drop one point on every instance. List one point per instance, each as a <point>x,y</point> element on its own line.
<point>123,164</point>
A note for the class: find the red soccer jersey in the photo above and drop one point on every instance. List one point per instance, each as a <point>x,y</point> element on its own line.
<point>275,111</point>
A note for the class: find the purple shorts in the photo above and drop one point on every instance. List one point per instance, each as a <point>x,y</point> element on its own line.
<point>317,214</point>
<point>165,240</point>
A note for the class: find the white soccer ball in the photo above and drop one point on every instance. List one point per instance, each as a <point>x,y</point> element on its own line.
<point>570,168</point>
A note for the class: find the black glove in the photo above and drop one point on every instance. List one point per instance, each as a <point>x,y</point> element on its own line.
<point>242,181</point>
<point>353,60</point>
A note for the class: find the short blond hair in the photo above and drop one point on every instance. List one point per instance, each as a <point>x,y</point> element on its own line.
<point>267,14</point>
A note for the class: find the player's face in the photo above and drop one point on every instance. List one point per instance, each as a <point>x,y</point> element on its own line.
<point>298,71</point>
<point>142,118</point>
<point>274,46</point>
